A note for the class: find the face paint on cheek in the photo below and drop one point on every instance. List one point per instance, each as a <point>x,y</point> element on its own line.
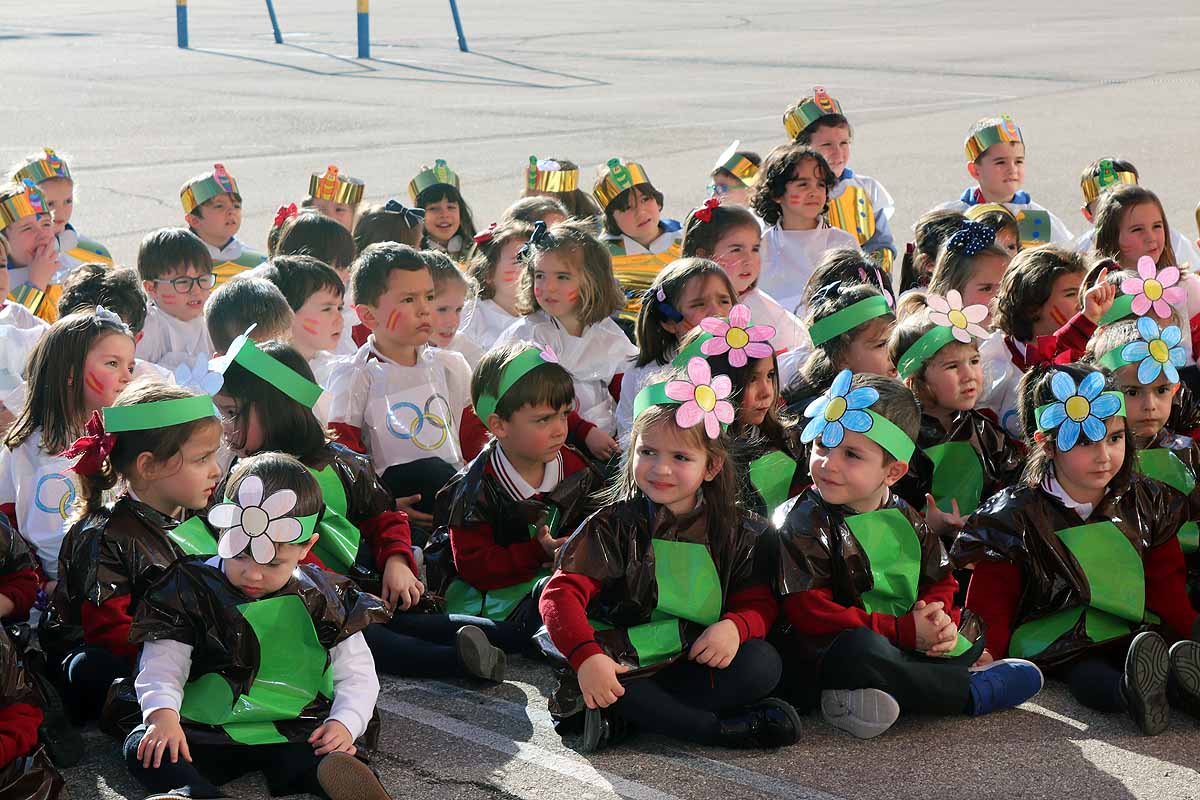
<point>572,295</point>
<point>537,292</point>
<point>310,326</point>
<point>1058,316</point>
<point>393,319</point>
<point>92,382</point>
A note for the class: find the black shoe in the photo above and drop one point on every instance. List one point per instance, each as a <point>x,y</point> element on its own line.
<point>602,728</point>
<point>63,743</point>
<point>1185,669</point>
<point>1145,683</point>
<point>478,656</point>
<point>767,724</point>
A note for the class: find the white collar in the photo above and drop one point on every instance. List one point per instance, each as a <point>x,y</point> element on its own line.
<point>516,486</point>
<point>1055,489</point>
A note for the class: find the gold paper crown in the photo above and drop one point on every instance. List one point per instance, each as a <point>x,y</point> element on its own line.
<point>975,212</point>
<point>437,175</point>
<point>1005,130</point>
<point>549,176</point>
<point>335,187</point>
<point>617,176</point>
<point>43,169</point>
<point>737,164</point>
<point>201,189</point>
<point>811,109</point>
<point>26,203</point>
<point>1106,175</point>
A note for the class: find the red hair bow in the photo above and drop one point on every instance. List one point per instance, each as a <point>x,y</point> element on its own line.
<point>284,214</point>
<point>704,212</point>
<point>485,236</point>
<point>94,448</point>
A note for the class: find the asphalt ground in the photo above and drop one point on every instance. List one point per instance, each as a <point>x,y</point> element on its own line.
<point>669,84</point>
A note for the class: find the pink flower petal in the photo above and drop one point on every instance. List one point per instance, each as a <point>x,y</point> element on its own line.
<point>1146,267</point>
<point>1162,308</point>
<point>1141,304</point>
<point>976,330</point>
<point>954,298</point>
<point>1132,286</point>
<point>1168,276</point>
<point>758,350</point>
<point>961,335</point>
<point>976,313</point>
<point>680,390</point>
<point>939,318</point>
<point>714,346</point>
<point>722,386</point>
<point>714,325</point>
<point>761,333</point>
<point>737,357</point>
<point>724,411</point>
<point>937,303</point>
<point>712,426</point>
<point>1174,295</point>
<point>739,316</point>
<point>689,414</point>
<point>699,371</point>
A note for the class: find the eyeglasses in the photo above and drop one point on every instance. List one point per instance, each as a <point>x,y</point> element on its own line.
<point>719,189</point>
<point>184,284</point>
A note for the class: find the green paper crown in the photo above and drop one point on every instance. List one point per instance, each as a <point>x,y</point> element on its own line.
<point>437,175</point>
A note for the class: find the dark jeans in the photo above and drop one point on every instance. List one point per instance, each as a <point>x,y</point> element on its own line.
<point>89,672</point>
<point>1096,682</point>
<point>424,477</point>
<point>289,768</point>
<point>418,645</point>
<point>683,700</point>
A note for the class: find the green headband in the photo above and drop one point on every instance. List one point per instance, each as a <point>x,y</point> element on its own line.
<point>1122,308</point>
<point>531,358</point>
<point>245,352</point>
<point>655,394</point>
<point>887,435</point>
<point>923,349</point>
<point>159,414</point>
<point>848,319</point>
<point>843,408</point>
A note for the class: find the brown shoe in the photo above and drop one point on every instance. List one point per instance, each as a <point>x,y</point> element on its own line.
<point>344,777</point>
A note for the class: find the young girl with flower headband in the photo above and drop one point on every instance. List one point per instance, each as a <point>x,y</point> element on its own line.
<point>157,448</point>
<point>211,705</point>
<point>730,235</point>
<point>970,263</point>
<point>568,293</point>
<point>659,602</point>
<point>1079,567</point>
<point>867,586</point>
<point>791,197</point>
<point>684,293</point>
<point>496,270</point>
<point>78,367</point>
<point>448,223</point>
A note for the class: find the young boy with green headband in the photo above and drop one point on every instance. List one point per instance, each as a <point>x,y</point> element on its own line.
<point>867,586</point>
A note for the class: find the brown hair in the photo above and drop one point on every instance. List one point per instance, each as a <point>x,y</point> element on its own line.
<point>369,275</point>
<point>896,402</point>
<point>599,293</point>
<point>1027,284</point>
<point>168,249</point>
<point>547,384</point>
<point>242,302</point>
<point>1110,215</point>
<point>279,471</point>
<point>310,233</point>
<point>704,236</point>
<point>481,266</point>
<point>955,268</point>
<point>116,288</point>
<point>777,171</point>
<point>444,271</point>
<point>300,277</point>
<point>625,199</point>
<point>534,208</point>
<point>822,365</point>
<point>932,230</point>
<point>848,266</point>
<point>378,223</point>
<point>656,345</point>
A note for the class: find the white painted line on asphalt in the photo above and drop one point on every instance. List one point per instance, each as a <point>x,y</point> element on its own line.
<point>539,756</point>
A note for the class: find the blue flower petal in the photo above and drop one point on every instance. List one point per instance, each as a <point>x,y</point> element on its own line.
<point>1135,351</point>
<point>1062,386</point>
<point>817,407</point>
<point>1177,356</point>
<point>1053,416</point>
<point>813,429</point>
<point>1171,335</point>
<point>1092,385</point>
<point>862,397</point>
<point>834,432</point>
<point>859,421</point>
<point>1106,405</point>
<point>1093,428</point>
<point>1068,435</point>
<point>1171,373</point>
<point>1147,329</point>
<point>1148,371</point>
<point>841,383</point>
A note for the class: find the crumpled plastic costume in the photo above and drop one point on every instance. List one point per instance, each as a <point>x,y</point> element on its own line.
<point>31,776</point>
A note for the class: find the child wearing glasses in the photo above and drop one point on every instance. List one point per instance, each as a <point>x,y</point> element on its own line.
<point>177,273</point>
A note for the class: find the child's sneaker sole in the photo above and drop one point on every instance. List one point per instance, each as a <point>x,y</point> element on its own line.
<point>1185,666</point>
<point>862,713</point>
<point>344,777</point>
<point>479,656</point>
<point>1146,666</point>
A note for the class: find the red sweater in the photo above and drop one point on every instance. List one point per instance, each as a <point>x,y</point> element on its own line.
<point>1065,345</point>
<point>566,597</point>
<point>18,731</point>
<point>20,587</point>
<point>995,591</point>
<point>389,534</point>
<point>814,613</point>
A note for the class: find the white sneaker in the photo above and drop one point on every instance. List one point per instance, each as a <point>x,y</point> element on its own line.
<point>864,713</point>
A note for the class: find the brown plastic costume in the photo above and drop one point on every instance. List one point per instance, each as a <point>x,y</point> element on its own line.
<point>1174,460</point>
<point>818,550</point>
<point>15,554</point>
<point>1055,552</point>
<point>260,674</point>
<point>32,777</point>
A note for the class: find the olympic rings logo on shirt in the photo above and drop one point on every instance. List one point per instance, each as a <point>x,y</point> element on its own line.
<point>413,430</point>
<point>61,506</point>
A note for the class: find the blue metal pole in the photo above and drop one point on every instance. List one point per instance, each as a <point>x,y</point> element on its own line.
<point>462,39</point>
<point>364,29</point>
<point>274,22</point>
<point>181,36</point>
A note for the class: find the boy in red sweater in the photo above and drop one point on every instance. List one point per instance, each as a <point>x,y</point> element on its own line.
<point>867,587</point>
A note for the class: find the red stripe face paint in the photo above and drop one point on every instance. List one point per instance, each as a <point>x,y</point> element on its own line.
<point>310,325</point>
<point>537,292</point>
<point>393,319</point>
<point>93,383</point>
<point>1059,318</point>
<point>572,295</point>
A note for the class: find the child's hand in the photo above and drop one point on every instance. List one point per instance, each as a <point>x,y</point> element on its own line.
<point>941,522</point>
<point>947,638</point>
<point>984,659</point>
<point>549,543</point>
<point>598,681</point>
<point>400,585</point>
<point>163,734</point>
<point>7,606</point>
<point>408,506</point>
<point>48,587</point>
<point>931,623</point>
<point>601,445</point>
<point>1099,299</point>
<point>717,646</point>
<point>332,737</point>
<point>44,264</point>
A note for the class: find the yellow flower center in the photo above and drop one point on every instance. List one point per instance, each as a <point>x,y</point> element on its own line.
<point>706,398</point>
<point>1159,351</point>
<point>835,409</point>
<point>737,338</point>
<point>1152,289</point>
<point>1078,408</point>
<point>957,318</point>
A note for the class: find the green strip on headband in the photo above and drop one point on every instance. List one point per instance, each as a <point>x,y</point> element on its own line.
<point>848,319</point>
<point>653,395</point>
<point>1113,359</point>
<point>887,435</point>
<point>923,349</point>
<point>271,370</point>
<point>518,368</point>
<point>691,351</point>
<point>1122,307</point>
<point>159,414</point>
<point>1042,409</point>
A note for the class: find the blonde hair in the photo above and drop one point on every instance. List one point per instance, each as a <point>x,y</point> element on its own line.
<point>599,293</point>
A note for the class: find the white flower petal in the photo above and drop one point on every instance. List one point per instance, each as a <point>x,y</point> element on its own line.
<point>232,543</point>
<point>250,491</point>
<point>225,515</point>
<point>262,549</point>
<point>285,530</point>
<point>280,503</point>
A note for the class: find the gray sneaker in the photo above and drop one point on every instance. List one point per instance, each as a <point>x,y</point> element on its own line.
<point>864,713</point>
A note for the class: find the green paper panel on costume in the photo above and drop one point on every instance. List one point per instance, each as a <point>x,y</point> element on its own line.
<point>656,641</point>
<point>957,475</point>
<point>340,539</point>
<point>1162,465</point>
<point>293,668</point>
<point>1102,627</point>
<point>497,604</point>
<point>893,553</point>
<point>194,538</point>
<point>961,646</point>
<point>1112,567</point>
<point>1189,538</point>
<point>1034,637</point>
<point>772,476</point>
<point>688,586</point>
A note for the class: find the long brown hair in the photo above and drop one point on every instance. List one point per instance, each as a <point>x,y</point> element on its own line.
<point>1110,215</point>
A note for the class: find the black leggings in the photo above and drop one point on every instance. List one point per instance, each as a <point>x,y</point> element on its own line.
<point>682,701</point>
<point>425,477</point>
<point>289,768</point>
<point>89,673</point>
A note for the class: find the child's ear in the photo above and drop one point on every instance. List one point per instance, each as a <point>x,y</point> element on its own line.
<point>366,315</point>
<point>894,472</point>
<point>150,288</point>
<point>191,219</point>
<point>497,425</point>
<point>714,468</point>
<point>973,169</point>
<point>144,464</point>
<point>309,546</point>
